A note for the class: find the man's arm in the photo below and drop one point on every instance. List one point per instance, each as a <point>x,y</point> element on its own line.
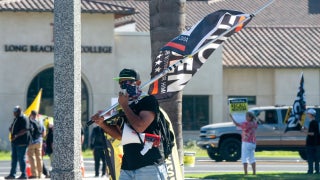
<point>139,122</point>
<point>20,133</point>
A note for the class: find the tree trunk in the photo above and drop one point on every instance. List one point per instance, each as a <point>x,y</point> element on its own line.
<point>167,20</point>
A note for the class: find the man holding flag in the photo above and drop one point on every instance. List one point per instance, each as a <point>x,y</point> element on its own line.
<point>177,62</point>
<point>139,161</point>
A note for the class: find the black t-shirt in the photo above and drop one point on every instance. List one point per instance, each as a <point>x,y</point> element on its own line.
<point>132,159</point>
<point>21,123</point>
<point>313,140</point>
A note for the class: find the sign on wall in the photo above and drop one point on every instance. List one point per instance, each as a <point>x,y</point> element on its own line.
<point>50,48</point>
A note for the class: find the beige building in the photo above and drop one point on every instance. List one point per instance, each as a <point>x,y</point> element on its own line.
<point>263,62</point>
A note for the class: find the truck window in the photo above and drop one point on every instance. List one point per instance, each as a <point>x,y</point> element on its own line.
<point>267,117</point>
<point>271,117</point>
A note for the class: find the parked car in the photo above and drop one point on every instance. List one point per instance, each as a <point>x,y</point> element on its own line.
<point>223,140</point>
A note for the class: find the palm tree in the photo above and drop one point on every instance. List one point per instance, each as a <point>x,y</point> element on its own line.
<point>167,20</point>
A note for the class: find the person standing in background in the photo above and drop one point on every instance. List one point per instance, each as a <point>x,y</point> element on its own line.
<point>312,143</point>
<point>49,142</point>
<point>99,146</point>
<point>35,148</point>
<point>81,156</point>
<point>20,139</point>
<point>46,123</point>
<point>248,138</point>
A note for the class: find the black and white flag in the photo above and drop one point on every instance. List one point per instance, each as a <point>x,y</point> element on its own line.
<point>194,47</point>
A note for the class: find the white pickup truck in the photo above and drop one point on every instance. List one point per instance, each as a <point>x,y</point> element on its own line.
<point>223,140</point>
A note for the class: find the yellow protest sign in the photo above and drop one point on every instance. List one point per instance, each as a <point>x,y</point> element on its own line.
<point>238,108</point>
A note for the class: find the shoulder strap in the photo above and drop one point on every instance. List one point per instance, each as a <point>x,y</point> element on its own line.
<point>137,100</point>
<point>137,134</point>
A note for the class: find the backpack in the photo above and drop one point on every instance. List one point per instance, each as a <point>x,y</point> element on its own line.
<point>166,133</point>
<point>35,129</point>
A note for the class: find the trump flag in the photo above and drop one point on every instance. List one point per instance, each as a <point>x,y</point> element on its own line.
<point>296,115</point>
<point>192,49</point>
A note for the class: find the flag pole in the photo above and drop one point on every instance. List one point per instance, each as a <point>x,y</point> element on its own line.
<point>262,8</point>
<point>181,61</point>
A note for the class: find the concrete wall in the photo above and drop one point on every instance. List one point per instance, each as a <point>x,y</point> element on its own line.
<point>287,83</point>
<point>18,68</point>
<point>133,50</point>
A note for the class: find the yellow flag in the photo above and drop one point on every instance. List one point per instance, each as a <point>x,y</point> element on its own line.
<point>35,105</point>
<point>174,169</point>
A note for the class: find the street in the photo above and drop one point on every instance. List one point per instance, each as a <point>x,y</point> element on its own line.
<point>205,165</point>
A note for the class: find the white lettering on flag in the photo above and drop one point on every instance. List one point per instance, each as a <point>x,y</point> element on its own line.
<point>179,83</point>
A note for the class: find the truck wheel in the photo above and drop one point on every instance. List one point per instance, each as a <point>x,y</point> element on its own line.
<point>230,149</point>
<point>303,154</point>
<point>214,154</point>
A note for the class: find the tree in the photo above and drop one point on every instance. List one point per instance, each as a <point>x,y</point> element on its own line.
<point>167,20</point>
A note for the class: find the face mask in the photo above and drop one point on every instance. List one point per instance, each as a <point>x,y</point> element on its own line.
<point>129,87</point>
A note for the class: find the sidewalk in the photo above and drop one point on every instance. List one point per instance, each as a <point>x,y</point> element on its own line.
<point>87,177</point>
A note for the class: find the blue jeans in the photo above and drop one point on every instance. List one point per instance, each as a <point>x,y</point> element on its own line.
<point>153,172</point>
<point>18,155</point>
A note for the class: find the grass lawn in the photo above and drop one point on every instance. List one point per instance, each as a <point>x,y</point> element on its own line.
<point>260,175</point>
<point>203,153</point>
<point>5,155</point>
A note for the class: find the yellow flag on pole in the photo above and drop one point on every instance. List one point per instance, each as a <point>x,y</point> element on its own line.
<point>35,105</point>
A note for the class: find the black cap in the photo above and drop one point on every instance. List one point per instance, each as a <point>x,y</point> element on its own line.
<point>17,109</point>
<point>128,74</point>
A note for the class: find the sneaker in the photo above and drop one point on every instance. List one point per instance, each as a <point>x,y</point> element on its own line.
<point>10,177</point>
<point>22,177</point>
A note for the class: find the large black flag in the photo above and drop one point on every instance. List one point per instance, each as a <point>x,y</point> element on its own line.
<point>297,113</point>
<point>193,47</point>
